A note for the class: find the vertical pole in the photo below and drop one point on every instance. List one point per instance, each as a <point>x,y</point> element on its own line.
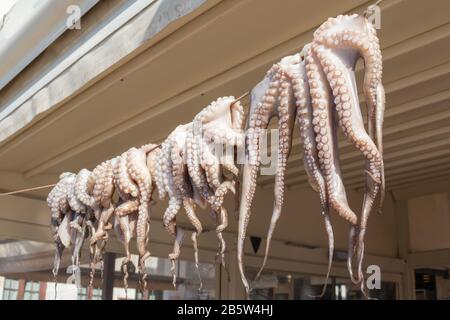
<point>108,276</point>
<point>408,279</point>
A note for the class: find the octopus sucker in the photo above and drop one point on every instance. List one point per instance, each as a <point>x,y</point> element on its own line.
<point>139,173</point>
<point>343,83</point>
<point>327,155</point>
<point>262,104</point>
<point>323,121</point>
<point>286,118</point>
<point>310,155</point>
<point>84,185</point>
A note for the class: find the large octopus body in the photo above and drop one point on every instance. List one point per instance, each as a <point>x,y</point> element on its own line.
<point>134,186</point>
<point>321,81</point>
<point>190,174</point>
<point>337,46</point>
<point>216,131</point>
<point>86,199</point>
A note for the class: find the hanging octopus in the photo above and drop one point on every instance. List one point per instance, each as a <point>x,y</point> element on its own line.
<point>200,181</point>
<point>104,207</point>
<point>86,200</point>
<point>58,203</point>
<point>133,183</point>
<point>69,219</point>
<point>323,87</point>
<point>295,88</point>
<point>337,46</point>
<point>216,131</point>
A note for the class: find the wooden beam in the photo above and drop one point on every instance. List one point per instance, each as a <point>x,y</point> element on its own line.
<point>396,158</point>
<point>422,188</point>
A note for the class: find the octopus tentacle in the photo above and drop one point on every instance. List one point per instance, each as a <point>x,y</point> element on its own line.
<point>351,122</point>
<point>195,170</point>
<point>323,124</point>
<point>178,169</point>
<point>103,224</point>
<point>84,185</point>
<point>75,204</point>
<point>138,171</point>
<point>219,231</point>
<point>123,178</point>
<point>170,214</point>
<point>172,176</point>
<point>286,114</point>
<point>230,167</point>
<point>211,166</point>
<point>310,157</point>
<point>360,35</point>
<point>217,206</point>
<point>262,102</point>
<point>170,225</point>
<point>125,217</point>
<point>176,252</point>
<point>189,207</point>
<point>57,201</point>
<point>357,33</point>
<point>78,236</point>
<point>102,193</point>
<point>325,130</point>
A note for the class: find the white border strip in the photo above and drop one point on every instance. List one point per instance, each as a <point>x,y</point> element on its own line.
<point>127,12</point>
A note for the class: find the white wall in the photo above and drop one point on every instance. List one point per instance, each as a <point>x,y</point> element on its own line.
<point>302,223</point>
<point>429,221</point>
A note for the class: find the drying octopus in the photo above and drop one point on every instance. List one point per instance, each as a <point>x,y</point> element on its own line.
<point>70,218</point>
<point>318,88</point>
<point>127,176</point>
<point>133,183</point>
<point>86,200</point>
<point>190,173</point>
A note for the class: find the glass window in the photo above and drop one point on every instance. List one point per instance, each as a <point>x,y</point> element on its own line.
<point>160,280</point>
<point>83,294</point>
<point>10,289</point>
<point>31,291</point>
<point>289,286</point>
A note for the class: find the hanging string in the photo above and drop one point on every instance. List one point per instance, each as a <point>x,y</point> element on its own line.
<point>53,184</point>
<point>26,190</point>
<point>370,9</point>
<point>241,97</point>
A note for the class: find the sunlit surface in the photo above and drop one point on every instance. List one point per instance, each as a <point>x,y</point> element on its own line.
<point>25,274</point>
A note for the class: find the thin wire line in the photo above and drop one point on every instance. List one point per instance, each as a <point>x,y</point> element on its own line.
<point>28,189</point>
